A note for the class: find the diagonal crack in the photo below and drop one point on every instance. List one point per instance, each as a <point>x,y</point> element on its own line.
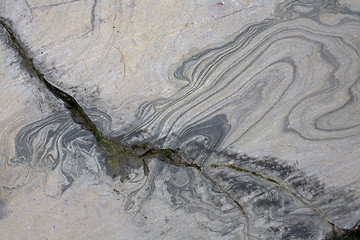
<point>237,203</point>
<point>119,156</point>
<point>70,103</point>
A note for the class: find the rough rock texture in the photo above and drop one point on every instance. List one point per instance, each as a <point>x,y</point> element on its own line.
<point>261,96</point>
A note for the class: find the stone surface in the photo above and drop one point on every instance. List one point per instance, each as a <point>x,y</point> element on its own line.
<point>266,90</point>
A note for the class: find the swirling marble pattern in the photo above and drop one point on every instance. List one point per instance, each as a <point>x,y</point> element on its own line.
<point>260,70</point>
<point>285,87</point>
<point>59,145</point>
<point>300,71</point>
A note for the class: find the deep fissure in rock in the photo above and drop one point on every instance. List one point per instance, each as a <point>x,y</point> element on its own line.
<point>122,158</point>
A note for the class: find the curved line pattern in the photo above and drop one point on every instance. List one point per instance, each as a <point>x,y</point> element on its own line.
<point>300,67</point>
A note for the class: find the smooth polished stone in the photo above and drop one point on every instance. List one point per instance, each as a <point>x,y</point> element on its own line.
<point>262,95</point>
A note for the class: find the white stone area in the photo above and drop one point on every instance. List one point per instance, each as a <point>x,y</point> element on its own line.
<point>263,95</point>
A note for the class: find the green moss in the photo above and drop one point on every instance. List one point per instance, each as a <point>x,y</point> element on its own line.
<point>120,159</point>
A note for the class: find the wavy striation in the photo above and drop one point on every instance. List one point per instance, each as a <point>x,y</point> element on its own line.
<point>300,70</point>
<point>58,145</point>
<point>298,63</point>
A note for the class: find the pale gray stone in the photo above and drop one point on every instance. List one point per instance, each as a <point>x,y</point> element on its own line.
<point>261,96</point>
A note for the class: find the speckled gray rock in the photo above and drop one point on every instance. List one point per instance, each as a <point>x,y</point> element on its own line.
<point>263,95</point>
